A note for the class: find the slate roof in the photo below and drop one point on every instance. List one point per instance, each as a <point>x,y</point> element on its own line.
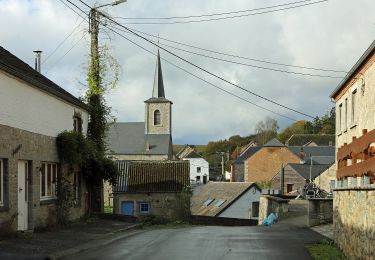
<point>228,191</point>
<point>304,170</point>
<point>370,51</point>
<point>158,89</point>
<point>244,156</point>
<point>322,160</point>
<point>130,138</point>
<point>314,151</point>
<point>16,67</point>
<point>303,139</point>
<point>274,143</point>
<point>152,176</point>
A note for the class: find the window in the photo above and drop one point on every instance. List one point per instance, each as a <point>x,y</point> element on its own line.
<point>198,169</point>
<point>255,209</point>
<point>144,207</point>
<point>354,101</point>
<point>77,123</point>
<point>346,114</point>
<point>208,202</point>
<point>1,182</point>
<point>289,187</point>
<point>157,117</point>
<point>48,177</point>
<point>219,203</point>
<point>340,119</point>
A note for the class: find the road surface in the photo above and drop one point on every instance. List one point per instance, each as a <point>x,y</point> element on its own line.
<point>209,242</point>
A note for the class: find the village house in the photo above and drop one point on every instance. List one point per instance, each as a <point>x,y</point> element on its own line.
<point>226,199</point>
<point>33,111</point>
<point>311,140</point>
<point>151,188</point>
<point>354,204</point>
<point>199,167</point>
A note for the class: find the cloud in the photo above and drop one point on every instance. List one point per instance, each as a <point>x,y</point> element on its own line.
<point>330,35</point>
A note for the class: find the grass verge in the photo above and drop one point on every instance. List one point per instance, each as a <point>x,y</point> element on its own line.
<point>325,250</point>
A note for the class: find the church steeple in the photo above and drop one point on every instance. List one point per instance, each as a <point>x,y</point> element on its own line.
<point>158,89</point>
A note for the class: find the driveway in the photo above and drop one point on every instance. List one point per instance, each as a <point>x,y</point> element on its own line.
<point>280,241</point>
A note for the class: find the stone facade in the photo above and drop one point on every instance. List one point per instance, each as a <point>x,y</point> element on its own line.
<point>165,109</point>
<point>320,211</point>
<point>237,172</point>
<point>270,204</point>
<point>290,178</point>
<point>165,204</point>
<point>265,163</point>
<point>354,222</point>
<point>15,145</point>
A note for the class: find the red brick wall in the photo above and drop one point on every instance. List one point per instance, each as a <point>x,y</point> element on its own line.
<point>265,163</point>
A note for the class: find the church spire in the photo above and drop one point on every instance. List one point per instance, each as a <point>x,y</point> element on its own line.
<point>158,89</point>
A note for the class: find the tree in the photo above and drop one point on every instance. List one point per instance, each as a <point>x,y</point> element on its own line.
<point>296,128</point>
<point>266,130</point>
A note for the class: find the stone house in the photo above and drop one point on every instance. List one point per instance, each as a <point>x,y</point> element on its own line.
<point>354,203</point>
<point>238,165</point>
<point>267,161</point>
<point>33,111</point>
<point>226,199</point>
<point>150,188</point>
<point>296,176</point>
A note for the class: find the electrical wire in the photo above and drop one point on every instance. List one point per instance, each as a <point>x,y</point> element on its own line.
<point>209,15</point>
<point>238,56</point>
<point>228,17</point>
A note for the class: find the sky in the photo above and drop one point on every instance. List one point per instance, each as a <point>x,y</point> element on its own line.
<point>330,35</point>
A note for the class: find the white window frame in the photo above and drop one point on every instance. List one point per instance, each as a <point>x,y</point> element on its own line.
<point>143,211</point>
<point>2,182</point>
<point>53,184</point>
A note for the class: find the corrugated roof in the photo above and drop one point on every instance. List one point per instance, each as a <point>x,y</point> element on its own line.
<point>228,191</point>
<point>16,67</point>
<point>130,138</point>
<point>152,176</point>
<point>370,51</point>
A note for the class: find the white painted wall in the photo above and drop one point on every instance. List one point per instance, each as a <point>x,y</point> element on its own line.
<point>28,108</point>
<point>194,164</point>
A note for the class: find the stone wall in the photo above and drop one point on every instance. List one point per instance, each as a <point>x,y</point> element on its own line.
<point>15,145</point>
<point>354,222</point>
<point>270,204</point>
<point>320,211</point>
<point>238,172</point>
<point>161,204</point>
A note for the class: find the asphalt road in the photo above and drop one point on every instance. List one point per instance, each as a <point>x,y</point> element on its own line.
<point>210,242</point>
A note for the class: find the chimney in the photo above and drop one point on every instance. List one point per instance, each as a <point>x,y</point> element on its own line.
<point>302,154</point>
<point>38,54</point>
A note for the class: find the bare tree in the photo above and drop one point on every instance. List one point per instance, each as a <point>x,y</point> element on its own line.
<point>266,130</point>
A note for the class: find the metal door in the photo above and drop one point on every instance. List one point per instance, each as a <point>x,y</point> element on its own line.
<point>22,195</point>
<point>127,208</point>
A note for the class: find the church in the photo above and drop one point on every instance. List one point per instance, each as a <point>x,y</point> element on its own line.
<point>148,140</point>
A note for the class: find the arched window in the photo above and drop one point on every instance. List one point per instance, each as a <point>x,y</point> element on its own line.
<point>157,117</point>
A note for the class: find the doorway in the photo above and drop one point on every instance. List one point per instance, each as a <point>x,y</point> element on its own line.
<point>23,169</point>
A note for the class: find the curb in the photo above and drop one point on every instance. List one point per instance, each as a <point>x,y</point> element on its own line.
<point>98,242</point>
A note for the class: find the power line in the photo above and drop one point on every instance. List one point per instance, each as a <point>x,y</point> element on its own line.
<point>244,64</point>
<point>238,56</point>
<point>205,70</point>
<point>61,43</point>
<point>229,17</point>
<point>209,15</point>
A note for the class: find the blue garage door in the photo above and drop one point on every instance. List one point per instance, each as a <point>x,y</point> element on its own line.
<point>127,208</point>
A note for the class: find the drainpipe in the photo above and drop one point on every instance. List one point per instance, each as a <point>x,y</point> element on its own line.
<point>282,180</point>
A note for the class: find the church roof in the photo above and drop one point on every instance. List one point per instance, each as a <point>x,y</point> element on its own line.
<point>158,89</point>
<point>130,139</point>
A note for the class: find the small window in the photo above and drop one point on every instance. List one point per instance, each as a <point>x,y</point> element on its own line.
<point>289,187</point>
<point>198,169</point>
<point>219,203</point>
<point>339,123</point>
<point>1,182</point>
<point>354,102</point>
<point>208,202</point>
<point>48,178</point>
<point>346,114</point>
<point>77,123</point>
<point>157,117</point>
<point>198,178</point>
<point>144,208</point>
